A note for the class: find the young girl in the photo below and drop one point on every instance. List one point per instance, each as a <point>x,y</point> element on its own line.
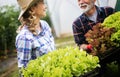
<point>34,37</point>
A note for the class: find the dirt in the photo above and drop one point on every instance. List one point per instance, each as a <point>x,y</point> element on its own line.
<point>7,66</point>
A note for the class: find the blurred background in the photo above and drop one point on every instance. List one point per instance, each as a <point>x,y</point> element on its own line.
<point>60,15</point>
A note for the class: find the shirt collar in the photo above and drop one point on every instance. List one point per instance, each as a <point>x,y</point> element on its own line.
<point>42,33</point>
<point>98,9</point>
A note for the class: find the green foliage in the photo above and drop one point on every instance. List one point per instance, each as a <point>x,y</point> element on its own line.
<point>103,37</point>
<point>99,37</point>
<point>8,26</point>
<point>64,62</point>
<point>114,21</point>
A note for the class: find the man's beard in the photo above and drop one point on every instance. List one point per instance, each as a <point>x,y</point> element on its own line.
<point>88,7</point>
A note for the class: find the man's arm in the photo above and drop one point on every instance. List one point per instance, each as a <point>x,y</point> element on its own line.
<point>78,34</point>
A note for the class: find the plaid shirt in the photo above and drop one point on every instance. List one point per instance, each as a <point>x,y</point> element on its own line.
<point>82,24</point>
<point>30,47</point>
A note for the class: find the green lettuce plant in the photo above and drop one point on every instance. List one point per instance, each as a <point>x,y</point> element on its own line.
<point>64,62</point>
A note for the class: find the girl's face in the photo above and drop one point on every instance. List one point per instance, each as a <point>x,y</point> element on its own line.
<point>40,9</point>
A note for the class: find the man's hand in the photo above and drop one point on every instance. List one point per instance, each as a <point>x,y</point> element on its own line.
<point>86,47</point>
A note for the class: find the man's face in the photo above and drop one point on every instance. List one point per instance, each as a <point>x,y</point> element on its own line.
<point>86,5</point>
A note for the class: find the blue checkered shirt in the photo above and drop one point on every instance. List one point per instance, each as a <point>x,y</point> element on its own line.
<point>30,47</point>
<point>82,24</point>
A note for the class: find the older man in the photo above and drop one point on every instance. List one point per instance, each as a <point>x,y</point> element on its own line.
<point>92,15</point>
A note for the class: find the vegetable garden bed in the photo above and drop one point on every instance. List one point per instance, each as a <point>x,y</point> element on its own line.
<point>64,62</point>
